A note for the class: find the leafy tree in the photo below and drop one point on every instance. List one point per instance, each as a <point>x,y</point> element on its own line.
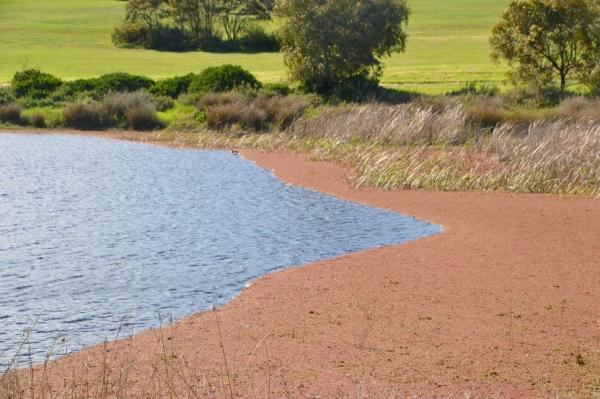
<point>544,39</point>
<point>328,41</point>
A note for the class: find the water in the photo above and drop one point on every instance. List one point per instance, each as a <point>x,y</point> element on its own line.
<point>92,230</point>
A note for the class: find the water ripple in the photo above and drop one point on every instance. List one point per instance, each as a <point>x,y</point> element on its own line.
<point>94,229</point>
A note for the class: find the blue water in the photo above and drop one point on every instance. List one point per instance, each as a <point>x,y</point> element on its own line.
<point>93,230</point>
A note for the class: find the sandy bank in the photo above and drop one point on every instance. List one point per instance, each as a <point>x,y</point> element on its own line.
<point>506,299</point>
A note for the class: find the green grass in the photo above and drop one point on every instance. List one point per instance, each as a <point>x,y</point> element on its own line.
<point>447,44</point>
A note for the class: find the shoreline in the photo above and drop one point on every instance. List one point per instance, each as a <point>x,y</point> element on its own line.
<point>504,301</point>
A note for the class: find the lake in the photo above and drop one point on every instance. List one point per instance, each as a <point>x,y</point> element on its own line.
<point>95,232</point>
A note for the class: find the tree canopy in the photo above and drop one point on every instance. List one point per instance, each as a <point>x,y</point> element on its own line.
<point>328,41</point>
<point>546,39</point>
<point>188,24</point>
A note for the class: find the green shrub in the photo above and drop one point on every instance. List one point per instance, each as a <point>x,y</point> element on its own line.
<point>81,85</point>
<point>35,84</point>
<point>222,78</point>
<point>172,87</point>
<point>120,81</point>
<point>84,116</point>
<point>471,89</point>
<point>6,95</point>
<point>277,88</point>
<point>38,120</point>
<point>129,35</point>
<point>143,119</point>
<point>256,39</point>
<point>11,113</point>
<point>64,93</point>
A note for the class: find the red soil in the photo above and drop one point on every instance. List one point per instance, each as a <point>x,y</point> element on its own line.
<point>504,302</point>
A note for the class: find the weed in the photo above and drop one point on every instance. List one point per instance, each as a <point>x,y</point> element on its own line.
<point>85,116</point>
<point>38,120</point>
<point>11,113</point>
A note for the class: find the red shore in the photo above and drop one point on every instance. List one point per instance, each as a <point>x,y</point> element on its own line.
<point>504,302</point>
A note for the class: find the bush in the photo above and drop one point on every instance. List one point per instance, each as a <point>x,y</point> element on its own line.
<point>81,85</point>
<point>117,104</point>
<point>11,113</point>
<point>533,97</point>
<point>172,87</point>
<point>277,88</point>
<point>120,82</point>
<point>212,99</point>
<point>84,116</point>
<point>222,78</point>
<point>471,89</point>
<point>486,112</point>
<point>63,93</point>
<point>254,113</point>
<point>578,108</point>
<point>163,103</point>
<point>256,39</point>
<point>35,84</point>
<point>285,110</point>
<point>6,95</point>
<point>38,120</point>
<point>143,119</point>
<point>129,35</point>
<point>167,38</point>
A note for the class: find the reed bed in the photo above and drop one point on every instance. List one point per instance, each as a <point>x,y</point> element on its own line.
<point>422,147</point>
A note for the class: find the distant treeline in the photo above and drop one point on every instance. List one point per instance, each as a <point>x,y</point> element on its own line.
<point>209,25</point>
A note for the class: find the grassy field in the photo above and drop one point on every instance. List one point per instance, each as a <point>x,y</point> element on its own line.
<point>71,39</point>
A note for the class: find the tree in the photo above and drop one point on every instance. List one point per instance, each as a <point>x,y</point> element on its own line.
<point>328,41</point>
<point>545,39</point>
<point>197,17</point>
<point>148,11</point>
<point>237,15</point>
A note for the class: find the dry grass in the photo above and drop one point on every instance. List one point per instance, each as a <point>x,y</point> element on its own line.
<point>11,113</point>
<point>253,112</point>
<point>421,147</point>
<point>170,369</point>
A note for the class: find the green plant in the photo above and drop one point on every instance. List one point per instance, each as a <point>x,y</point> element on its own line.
<point>172,87</point>
<point>35,84</point>
<point>6,95</point>
<point>542,39</point>
<point>222,78</point>
<point>11,113</point>
<point>327,42</point>
<point>120,81</point>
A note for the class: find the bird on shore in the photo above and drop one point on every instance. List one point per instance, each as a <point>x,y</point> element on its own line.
<point>234,152</point>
